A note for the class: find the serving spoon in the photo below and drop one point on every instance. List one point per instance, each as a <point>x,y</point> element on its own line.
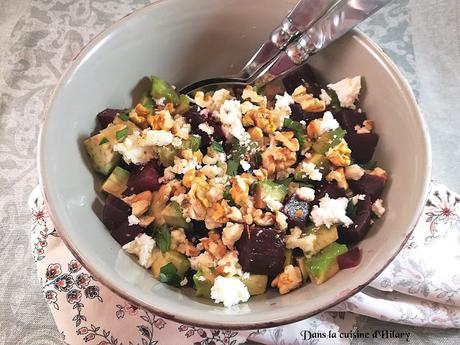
<point>292,43</point>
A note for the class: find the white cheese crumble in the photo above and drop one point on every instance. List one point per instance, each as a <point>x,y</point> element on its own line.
<point>311,171</point>
<point>272,203</point>
<point>295,240</point>
<point>245,165</point>
<point>206,128</point>
<point>160,101</point>
<point>324,96</point>
<point>328,123</point>
<point>305,193</point>
<point>283,103</point>
<point>330,212</point>
<point>142,246</point>
<point>357,197</point>
<point>232,233</point>
<point>153,137</point>
<point>354,172</point>
<point>133,220</point>
<point>247,106</point>
<point>177,142</point>
<point>219,97</point>
<point>184,282</point>
<point>132,150</point>
<point>347,91</point>
<point>177,237</point>
<point>281,220</point>
<point>229,290</point>
<point>230,117</point>
<point>377,208</point>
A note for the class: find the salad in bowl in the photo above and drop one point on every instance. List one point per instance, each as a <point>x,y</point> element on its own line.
<point>232,192</point>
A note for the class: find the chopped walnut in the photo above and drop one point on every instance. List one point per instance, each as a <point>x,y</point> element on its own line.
<point>288,280</point>
<point>263,218</point>
<point>300,94</point>
<point>340,154</point>
<point>267,120</point>
<point>231,233</point>
<point>275,159</point>
<point>138,208</point>
<point>378,172</point>
<point>314,129</point>
<point>339,176</point>
<point>281,220</point>
<point>234,215</point>
<point>256,134</point>
<point>288,140</point>
<point>239,190</point>
<point>260,174</point>
<point>214,245</point>
<point>216,214</point>
<point>139,115</point>
<point>204,101</point>
<point>162,120</point>
<point>250,94</point>
<point>313,105</point>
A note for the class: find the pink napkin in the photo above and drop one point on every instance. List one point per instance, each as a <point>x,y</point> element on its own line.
<point>420,287</point>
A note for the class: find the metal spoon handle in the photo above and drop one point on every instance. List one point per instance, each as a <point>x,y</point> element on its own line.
<point>305,13</point>
<point>333,25</point>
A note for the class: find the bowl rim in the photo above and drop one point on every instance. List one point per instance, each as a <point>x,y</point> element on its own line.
<point>43,182</point>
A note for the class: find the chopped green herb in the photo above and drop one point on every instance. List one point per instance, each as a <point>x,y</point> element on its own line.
<point>228,196</point>
<point>217,147</point>
<point>337,136</point>
<point>351,209</point>
<point>257,157</point>
<point>252,188</point>
<point>121,134</point>
<point>168,275</point>
<point>232,167</point>
<point>104,141</point>
<point>334,106</point>
<point>297,127</point>
<point>371,165</point>
<point>163,238</point>
<point>123,116</point>
<point>304,184</point>
<point>286,181</point>
<point>195,142</point>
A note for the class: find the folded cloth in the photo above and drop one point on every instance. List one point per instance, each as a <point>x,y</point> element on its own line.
<point>420,287</point>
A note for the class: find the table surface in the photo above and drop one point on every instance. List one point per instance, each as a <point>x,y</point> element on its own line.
<point>39,38</point>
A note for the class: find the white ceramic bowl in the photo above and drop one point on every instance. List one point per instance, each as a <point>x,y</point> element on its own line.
<point>183,41</point>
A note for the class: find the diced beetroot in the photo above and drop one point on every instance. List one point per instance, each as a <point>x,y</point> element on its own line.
<point>329,188</point>
<point>115,212</point>
<point>261,250</point>
<point>298,114</point>
<point>349,259</point>
<point>302,76</point>
<point>348,119</point>
<point>144,177</point>
<point>368,184</point>
<point>361,223</point>
<point>296,210</point>
<point>125,233</point>
<point>106,116</point>
<point>195,116</point>
<point>362,146</point>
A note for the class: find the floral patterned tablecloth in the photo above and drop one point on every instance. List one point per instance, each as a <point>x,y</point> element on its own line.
<point>417,288</point>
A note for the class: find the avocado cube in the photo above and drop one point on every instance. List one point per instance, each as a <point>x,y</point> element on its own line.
<point>269,189</point>
<point>160,259</point>
<point>115,184</point>
<point>319,160</point>
<point>100,149</point>
<point>161,89</point>
<point>256,283</point>
<point>324,265</point>
<point>119,120</point>
<point>328,140</point>
<point>324,236</point>
<point>173,216</point>
<point>203,280</point>
<point>167,154</point>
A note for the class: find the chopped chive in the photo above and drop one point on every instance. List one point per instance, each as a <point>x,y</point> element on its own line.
<point>217,147</point>
<point>121,134</point>
<point>124,116</point>
<point>104,141</point>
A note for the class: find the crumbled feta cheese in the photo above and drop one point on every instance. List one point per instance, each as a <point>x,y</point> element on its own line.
<point>232,233</point>
<point>177,142</point>
<point>152,137</point>
<point>160,101</point>
<point>272,203</point>
<point>295,240</point>
<point>324,96</point>
<point>330,212</point>
<point>377,208</point>
<point>230,117</point>
<point>181,166</point>
<point>219,97</point>
<point>311,171</point>
<point>347,91</point>
<point>132,150</point>
<point>354,172</point>
<point>142,246</point>
<point>133,220</point>
<point>245,165</point>
<point>283,103</point>
<point>230,263</point>
<point>206,128</point>
<point>357,197</point>
<point>184,282</point>
<point>281,220</point>
<point>177,237</point>
<point>229,290</point>
<point>247,106</point>
<point>201,278</point>
<point>305,193</point>
<point>204,260</point>
<point>328,123</point>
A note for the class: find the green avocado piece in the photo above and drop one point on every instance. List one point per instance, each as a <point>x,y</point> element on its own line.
<point>161,89</point>
<point>204,280</point>
<point>328,140</point>
<point>100,149</point>
<point>324,236</point>
<point>184,105</point>
<point>267,188</point>
<point>119,120</point>
<point>256,283</point>
<point>147,101</point>
<point>324,265</point>
<point>319,160</point>
<point>174,216</point>
<point>115,184</point>
<point>167,154</point>
<point>160,259</point>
